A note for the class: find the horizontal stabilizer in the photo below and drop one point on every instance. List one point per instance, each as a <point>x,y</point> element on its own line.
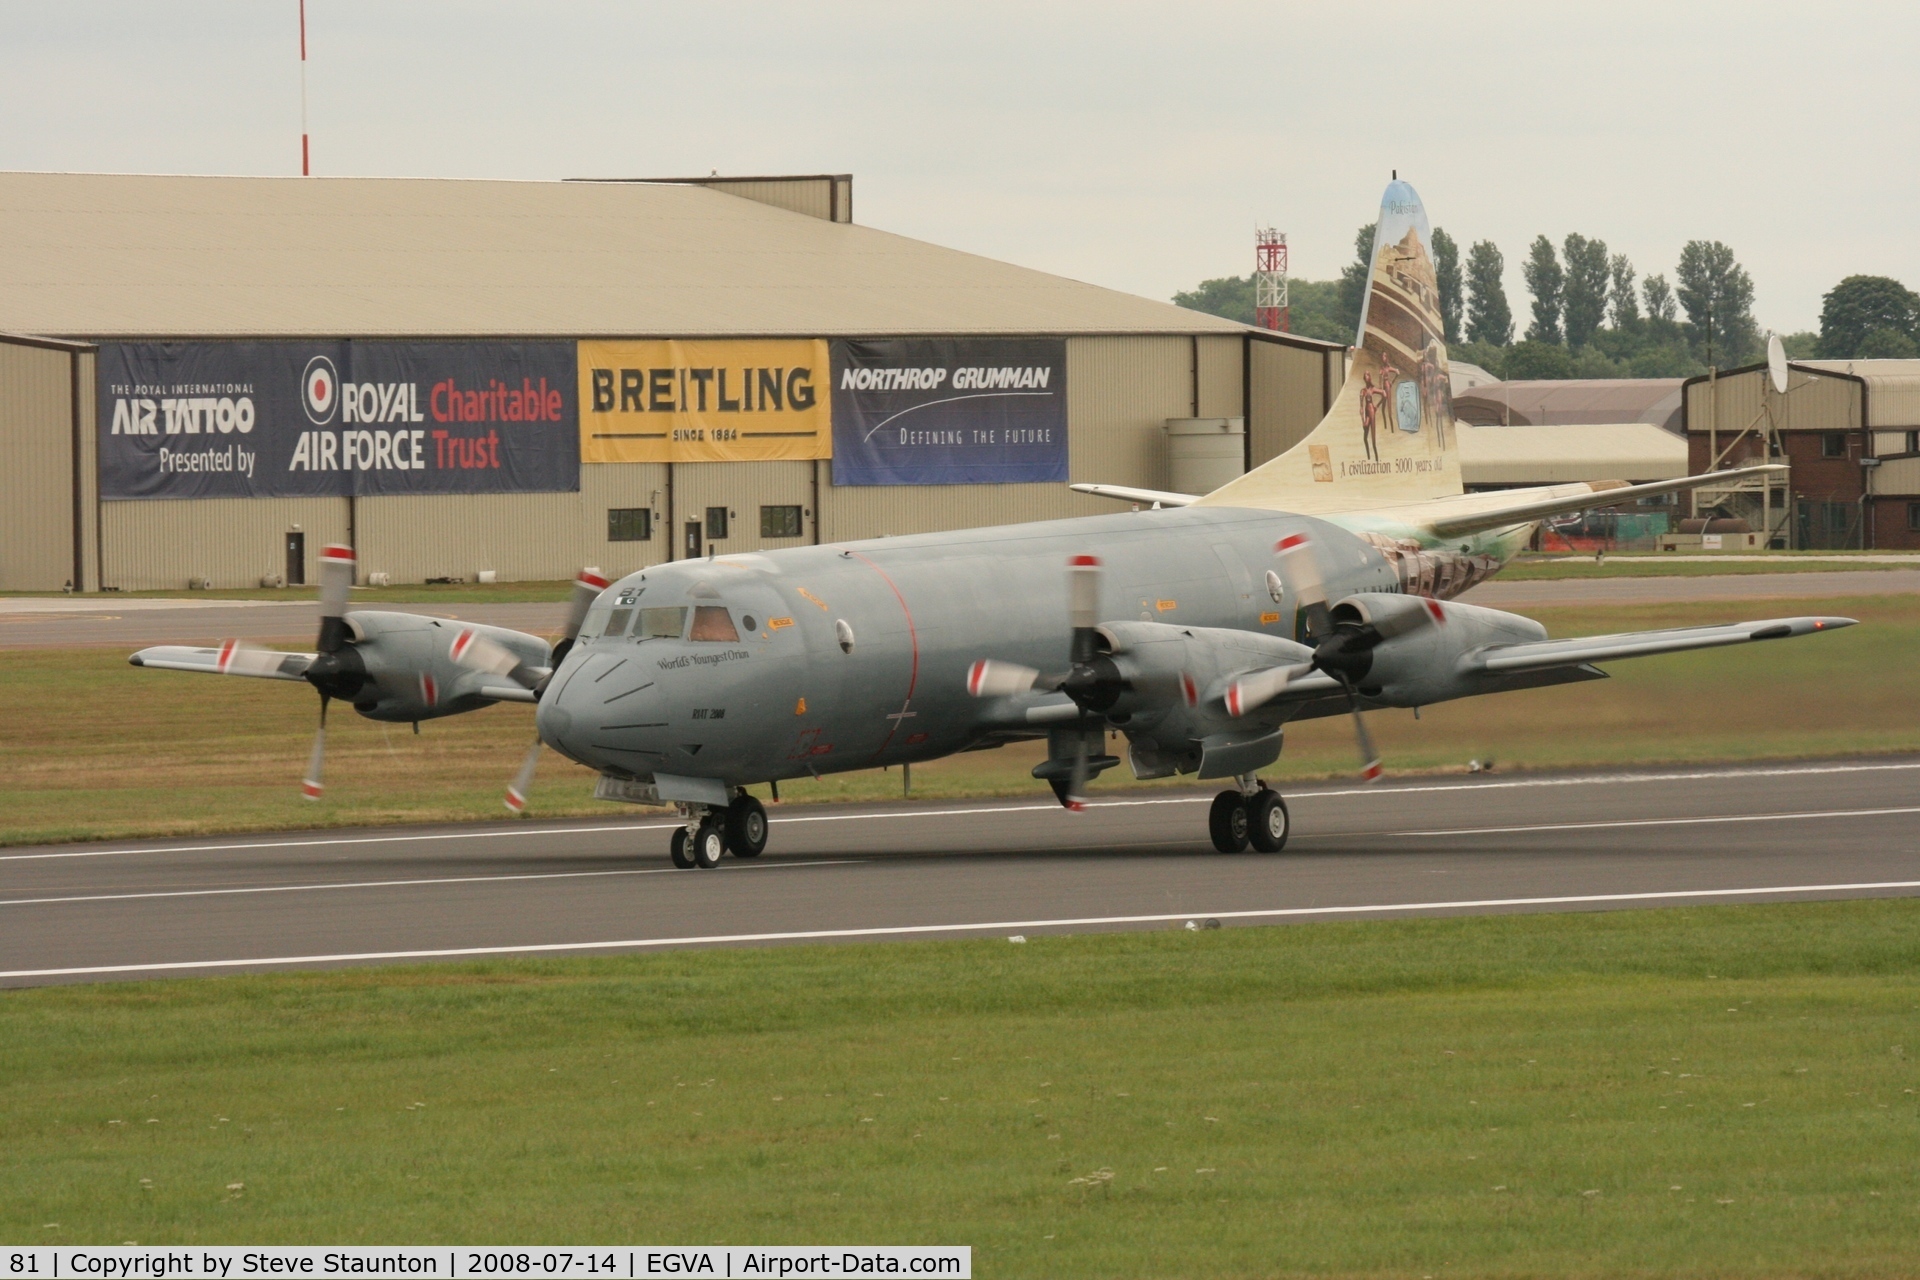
<point>1125,494</point>
<point>230,659</point>
<point>1634,644</point>
<point>1528,505</point>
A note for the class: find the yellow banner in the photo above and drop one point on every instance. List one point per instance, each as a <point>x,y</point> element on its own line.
<point>715,400</point>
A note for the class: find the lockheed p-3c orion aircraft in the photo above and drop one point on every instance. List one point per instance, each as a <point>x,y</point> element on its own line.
<point>1321,583</point>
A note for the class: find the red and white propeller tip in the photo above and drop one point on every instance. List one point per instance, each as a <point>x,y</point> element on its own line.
<point>336,579</point>
<point>989,679</point>
<point>1083,591</point>
<point>522,785</point>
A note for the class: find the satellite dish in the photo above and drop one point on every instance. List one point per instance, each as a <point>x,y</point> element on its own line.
<point>1777,364</point>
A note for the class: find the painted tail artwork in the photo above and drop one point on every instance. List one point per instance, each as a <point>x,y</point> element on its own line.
<point>1388,439</point>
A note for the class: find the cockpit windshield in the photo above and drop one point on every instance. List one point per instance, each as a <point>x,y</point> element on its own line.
<point>662,624</point>
<point>713,622</point>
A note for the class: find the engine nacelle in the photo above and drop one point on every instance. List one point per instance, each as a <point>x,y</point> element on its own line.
<point>397,666</point>
<point>1417,660</point>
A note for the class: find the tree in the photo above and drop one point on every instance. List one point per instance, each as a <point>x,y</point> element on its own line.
<point>1659,298</point>
<point>1446,270</point>
<point>1887,344</point>
<point>1353,281</point>
<point>1717,293</point>
<point>1625,303</point>
<point>1545,280</point>
<point>1489,319</point>
<point>1229,296</point>
<point>1583,296</point>
<point>1860,305</point>
<point>1536,359</point>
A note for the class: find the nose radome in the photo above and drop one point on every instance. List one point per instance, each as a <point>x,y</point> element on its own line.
<point>604,712</point>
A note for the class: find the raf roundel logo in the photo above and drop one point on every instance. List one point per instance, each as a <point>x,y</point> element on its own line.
<point>319,390</point>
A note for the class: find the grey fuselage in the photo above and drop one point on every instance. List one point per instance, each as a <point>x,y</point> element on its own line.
<point>788,699</point>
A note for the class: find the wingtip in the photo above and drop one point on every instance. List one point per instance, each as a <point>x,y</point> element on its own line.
<point>136,661</point>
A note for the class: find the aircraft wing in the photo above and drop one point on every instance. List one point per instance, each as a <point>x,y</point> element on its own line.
<point>1542,654</point>
<point>1473,512</point>
<point>1126,494</point>
<point>230,659</point>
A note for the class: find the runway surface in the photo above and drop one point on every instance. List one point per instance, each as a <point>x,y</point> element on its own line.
<point>32,622</point>
<point>1598,841</point>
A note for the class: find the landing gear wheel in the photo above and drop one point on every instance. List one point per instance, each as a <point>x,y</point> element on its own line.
<point>1268,821</point>
<point>709,845</point>
<point>682,857</point>
<point>1227,822</point>
<point>746,827</point>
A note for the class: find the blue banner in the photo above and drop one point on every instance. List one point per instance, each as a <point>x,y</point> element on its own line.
<point>305,419</point>
<point>950,411</point>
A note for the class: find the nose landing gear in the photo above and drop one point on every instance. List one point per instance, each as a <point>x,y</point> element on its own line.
<point>709,834</point>
<point>1255,814</point>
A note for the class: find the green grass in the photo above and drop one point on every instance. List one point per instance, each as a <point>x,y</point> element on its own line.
<point>97,749</point>
<point>1705,1092</point>
<point>1555,566</point>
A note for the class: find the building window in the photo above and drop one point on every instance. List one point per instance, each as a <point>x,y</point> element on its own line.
<point>779,522</point>
<point>1833,444</point>
<point>1913,517</point>
<point>629,524</point>
<point>716,523</point>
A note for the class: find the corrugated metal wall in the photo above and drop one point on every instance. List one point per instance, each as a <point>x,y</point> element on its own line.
<point>232,542</point>
<point>1218,379</point>
<point>1120,392</point>
<point>811,196</point>
<point>1289,396</point>
<point>1736,402</point>
<point>1899,477</point>
<point>36,486</point>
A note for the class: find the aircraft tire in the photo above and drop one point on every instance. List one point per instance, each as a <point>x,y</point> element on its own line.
<point>709,845</point>
<point>682,858</point>
<point>1268,822</point>
<point>746,827</point>
<point>1227,822</point>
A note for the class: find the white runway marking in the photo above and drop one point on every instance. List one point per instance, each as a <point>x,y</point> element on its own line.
<point>1804,816</point>
<point>1585,780</point>
<point>817,935</point>
<point>401,884</point>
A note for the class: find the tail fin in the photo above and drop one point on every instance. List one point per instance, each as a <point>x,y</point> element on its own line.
<point>1388,440</point>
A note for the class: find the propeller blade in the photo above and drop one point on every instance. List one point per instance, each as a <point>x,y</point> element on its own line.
<point>475,652</point>
<point>1369,758</point>
<point>1083,603</point>
<point>522,785</point>
<point>1432,614</point>
<point>586,589</point>
<point>238,658</point>
<point>989,679</point>
<point>336,581</point>
<point>311,786</point>
<point>1301,560</point>
<point>1257,688</point>
<point>1075,799</point>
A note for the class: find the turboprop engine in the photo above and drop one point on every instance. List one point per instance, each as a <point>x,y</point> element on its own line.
<point>401,667</point>
<point>1406,651</point>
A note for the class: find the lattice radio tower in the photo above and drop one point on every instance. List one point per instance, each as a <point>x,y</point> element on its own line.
<point>1270,310</point>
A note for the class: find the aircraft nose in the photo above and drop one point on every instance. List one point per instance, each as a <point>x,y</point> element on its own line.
<point>603,711</point>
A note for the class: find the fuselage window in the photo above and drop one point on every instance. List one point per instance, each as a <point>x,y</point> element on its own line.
<point>712,622</point>
<point>662,624</point>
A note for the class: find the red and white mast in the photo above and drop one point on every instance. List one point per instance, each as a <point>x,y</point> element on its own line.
<point>1270,310</point>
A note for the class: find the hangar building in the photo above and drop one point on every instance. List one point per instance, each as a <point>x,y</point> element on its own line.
<point>221,375</point>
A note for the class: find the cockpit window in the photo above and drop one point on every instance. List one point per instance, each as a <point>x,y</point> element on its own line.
<point>595,620</point>
<point>662,624</point>
<point>713,622</point>
<point>617,623</point>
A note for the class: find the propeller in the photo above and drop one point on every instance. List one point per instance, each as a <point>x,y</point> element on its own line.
<point>475,652</point>
<point>1091,682</point>
<point>1342,650</point>
<point>337,670</point>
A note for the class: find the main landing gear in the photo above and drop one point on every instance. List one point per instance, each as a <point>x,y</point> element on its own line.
<point>709,834</point>
<point>1255,814</point>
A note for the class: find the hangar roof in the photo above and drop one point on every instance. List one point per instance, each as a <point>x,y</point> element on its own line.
<point>110,255</point>
<point>1570,400</point>
<point>1634,451</point>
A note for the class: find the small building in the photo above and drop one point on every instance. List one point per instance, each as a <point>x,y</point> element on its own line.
<point>1847,430</point>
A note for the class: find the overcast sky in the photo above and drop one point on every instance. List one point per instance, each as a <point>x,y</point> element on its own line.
<point>1132,145</point>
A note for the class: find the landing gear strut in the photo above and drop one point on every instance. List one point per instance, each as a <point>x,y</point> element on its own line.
<point>1255,814</point>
